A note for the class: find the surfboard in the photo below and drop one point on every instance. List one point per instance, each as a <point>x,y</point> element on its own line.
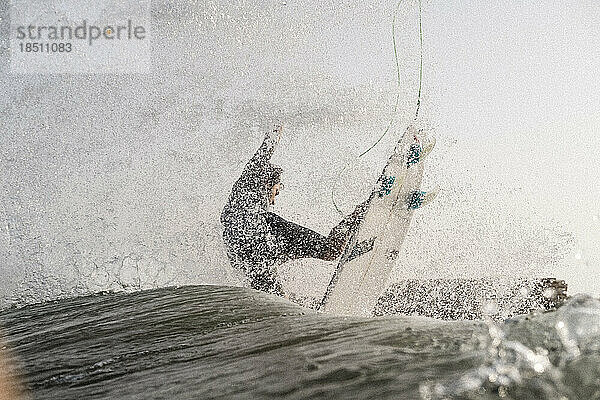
<point>371,252</point>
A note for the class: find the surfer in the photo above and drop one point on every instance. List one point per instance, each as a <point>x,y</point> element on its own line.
<point>258,240</point>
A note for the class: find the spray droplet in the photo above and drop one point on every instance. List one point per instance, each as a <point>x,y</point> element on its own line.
<point>539,368</point>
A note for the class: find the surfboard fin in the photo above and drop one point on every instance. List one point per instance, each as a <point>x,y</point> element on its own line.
<point>386,182</point>
<point>418,151</point>
<point>419,199</point>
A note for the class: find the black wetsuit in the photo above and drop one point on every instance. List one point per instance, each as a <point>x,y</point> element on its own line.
<point>258,240</point>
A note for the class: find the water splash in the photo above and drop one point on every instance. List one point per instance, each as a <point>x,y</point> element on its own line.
<point>535,356</point>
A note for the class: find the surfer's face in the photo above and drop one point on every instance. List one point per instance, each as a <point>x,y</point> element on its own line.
<point>274,192</point>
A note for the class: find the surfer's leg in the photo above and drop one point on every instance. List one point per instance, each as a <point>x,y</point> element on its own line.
<point>265,280</point>
<point>340,234</point>
<point>295,241</point>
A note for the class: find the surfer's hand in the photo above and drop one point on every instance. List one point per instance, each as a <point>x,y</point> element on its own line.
<point>273,136</point>
<point>277,132</point>
<point>331,253</point>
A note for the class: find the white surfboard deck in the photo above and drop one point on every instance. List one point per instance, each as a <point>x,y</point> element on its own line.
<point>358,282</point>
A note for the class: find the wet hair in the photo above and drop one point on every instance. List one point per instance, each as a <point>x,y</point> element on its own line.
<point>273,174</point>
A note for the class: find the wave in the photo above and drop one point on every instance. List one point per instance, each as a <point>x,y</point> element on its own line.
<point>216,342</point>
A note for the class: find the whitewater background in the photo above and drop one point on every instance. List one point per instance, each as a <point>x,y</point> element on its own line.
<point>114,182</point>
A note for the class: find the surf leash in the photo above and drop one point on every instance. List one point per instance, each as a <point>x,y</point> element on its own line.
<point>399,81</point>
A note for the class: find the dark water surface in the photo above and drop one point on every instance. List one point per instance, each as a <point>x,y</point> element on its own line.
<point>209,342</point>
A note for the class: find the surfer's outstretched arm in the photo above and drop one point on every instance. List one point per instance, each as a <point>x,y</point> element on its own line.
<point>256,170</point>
<point>249,193</point>
<point>264,153</point>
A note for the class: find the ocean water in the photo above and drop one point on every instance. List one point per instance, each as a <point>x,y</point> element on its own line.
<point>211,342</point>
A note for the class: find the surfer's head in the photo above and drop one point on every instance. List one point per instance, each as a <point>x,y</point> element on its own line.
<point>273,182</point>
